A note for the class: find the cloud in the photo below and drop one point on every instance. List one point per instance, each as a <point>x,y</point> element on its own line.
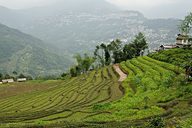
<point>150,8</point>
<point>141,3</point>
<point>19,4</point>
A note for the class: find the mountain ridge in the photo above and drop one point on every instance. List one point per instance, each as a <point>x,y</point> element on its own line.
<point>25,54</point>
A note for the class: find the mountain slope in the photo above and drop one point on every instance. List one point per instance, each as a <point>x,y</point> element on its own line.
<point>73,25</point>
<point>25,54</point>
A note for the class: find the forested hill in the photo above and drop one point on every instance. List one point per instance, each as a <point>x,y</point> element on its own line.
<point>25,54</point>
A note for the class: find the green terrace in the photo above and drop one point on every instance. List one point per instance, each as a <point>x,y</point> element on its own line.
<point>96,99</point>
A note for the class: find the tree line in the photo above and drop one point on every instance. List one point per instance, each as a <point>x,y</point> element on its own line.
<point>108,53</point>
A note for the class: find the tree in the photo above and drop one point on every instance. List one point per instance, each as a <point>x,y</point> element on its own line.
<point>83,64</point>
<point>118,56</point>
<point>1,76</point>
<point>139,43</point>
<point>107,53</point>
<point>15,73</point>
<point>21,76</point>
<point>99,56</point>
<point>186,24</point>
<point>116,48</point>
<point>64,74</point>
<point>7,76</point>
<point>129,51</point>
<point>87,62</point>
<point>73,72</point>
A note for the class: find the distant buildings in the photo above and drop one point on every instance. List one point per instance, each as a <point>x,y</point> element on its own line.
<point>181,41</point>
<point>5,81</point>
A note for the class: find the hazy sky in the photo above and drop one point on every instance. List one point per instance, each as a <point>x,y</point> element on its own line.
<point>150,8</point>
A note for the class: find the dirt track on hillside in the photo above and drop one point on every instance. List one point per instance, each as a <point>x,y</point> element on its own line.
<point>122,75</point>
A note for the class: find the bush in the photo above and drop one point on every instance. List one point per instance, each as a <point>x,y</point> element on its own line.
<point>156,122</point>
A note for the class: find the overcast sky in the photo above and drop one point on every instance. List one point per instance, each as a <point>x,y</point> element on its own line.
<point>150,8</point>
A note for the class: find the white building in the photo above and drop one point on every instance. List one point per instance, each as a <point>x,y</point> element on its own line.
<point>21,79</point>
<point>184,40</point>
<point>8,81</point>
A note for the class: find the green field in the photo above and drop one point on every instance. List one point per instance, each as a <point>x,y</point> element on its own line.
<point>96,99</point>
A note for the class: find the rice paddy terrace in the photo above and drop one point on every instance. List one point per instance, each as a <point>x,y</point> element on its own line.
<point>98,99</point>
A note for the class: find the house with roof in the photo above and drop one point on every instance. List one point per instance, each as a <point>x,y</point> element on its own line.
<point>183,40</point>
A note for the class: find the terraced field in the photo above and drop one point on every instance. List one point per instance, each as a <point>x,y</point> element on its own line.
<point>153,89</point>
<point>70,100</point>
<point>97,99</point>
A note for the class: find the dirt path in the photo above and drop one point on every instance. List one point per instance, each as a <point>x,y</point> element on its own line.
<point>122,75</point>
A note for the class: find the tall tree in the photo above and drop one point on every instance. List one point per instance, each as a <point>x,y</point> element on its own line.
<point>186,24</point>
<point>98,53</point>
<point>139,43</point>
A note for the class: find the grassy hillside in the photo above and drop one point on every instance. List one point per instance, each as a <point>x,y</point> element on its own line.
<point>178,56</point>
<point>96,99</point>
<point>153,88</point>
<point>25,54</point>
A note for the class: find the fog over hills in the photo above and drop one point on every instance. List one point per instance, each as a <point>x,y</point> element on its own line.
<point>73,26</point>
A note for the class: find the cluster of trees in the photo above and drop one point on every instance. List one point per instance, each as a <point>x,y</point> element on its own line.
<point>84,64</point>
<point>186,24</point>
<point>107,54</point>
<point>116,51</point>
<point>14,76</point>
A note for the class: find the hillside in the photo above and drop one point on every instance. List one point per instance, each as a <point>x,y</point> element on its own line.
<point>25,54</point>
<point>73,26</point>
<point>180,57</point>
<point>152,89</point>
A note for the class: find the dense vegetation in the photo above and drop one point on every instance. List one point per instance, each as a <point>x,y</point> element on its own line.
<point>25,54</point>
<point>180,57</point>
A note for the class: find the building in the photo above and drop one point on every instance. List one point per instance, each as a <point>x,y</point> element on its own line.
<point>21,79</point>
<point>165,47</point>
<point>7,81</point>
<point>183,40</point>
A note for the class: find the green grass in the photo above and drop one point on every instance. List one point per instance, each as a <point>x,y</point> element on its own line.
<point>152,89</point>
